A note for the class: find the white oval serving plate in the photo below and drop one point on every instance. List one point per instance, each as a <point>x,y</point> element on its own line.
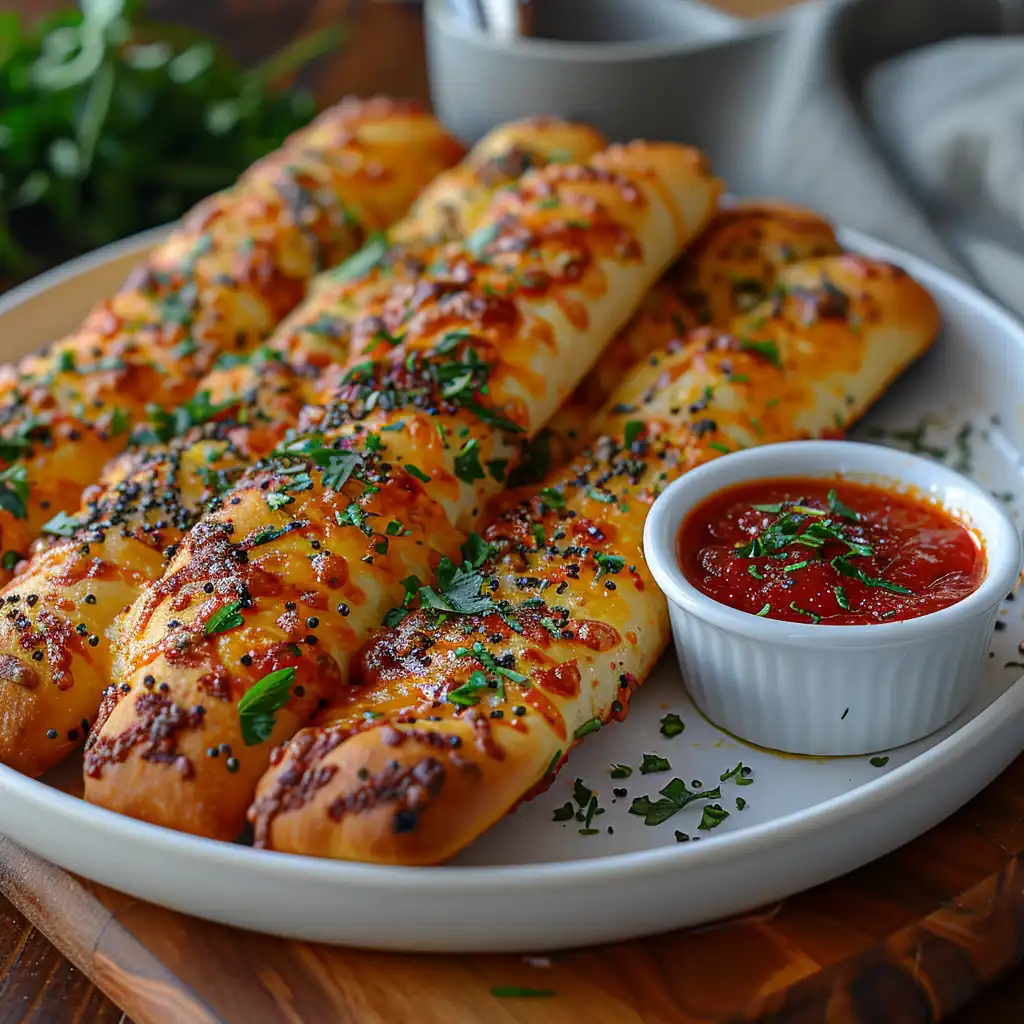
<point>533,883</point>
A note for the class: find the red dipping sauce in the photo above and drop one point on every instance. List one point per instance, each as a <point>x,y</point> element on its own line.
<point>829,552</point>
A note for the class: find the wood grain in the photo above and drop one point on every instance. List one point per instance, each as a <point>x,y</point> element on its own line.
<point>912,938</point>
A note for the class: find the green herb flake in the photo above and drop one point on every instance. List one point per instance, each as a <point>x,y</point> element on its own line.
<point>837,508</point>
<point>672,725</point>
<point>564,813</point>
<point>589,726</point>
<point>843,565</point>
<point>712,816</point>
<point>224,618</point>
<point>878,762</point>
<point>620,771</point>
<point>634,428</point>
<point>654,763</point>
<point>467,462</point>
<point>803,611</point>
<point>610,564</point>
<point>673,798</point>
<point>361,263</point>
<point>261,702</point>
<point>61,525</point>
<point>580,793</point>
<point>768,349</point>
<point>552,499</point>
<point>417,472</point>
<point>14,493</point>
<point>278,499</point>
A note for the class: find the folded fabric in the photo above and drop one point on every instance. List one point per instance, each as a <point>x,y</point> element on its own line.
<point>951,119</point>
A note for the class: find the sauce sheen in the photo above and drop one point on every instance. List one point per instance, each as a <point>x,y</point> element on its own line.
<point>828,551</point>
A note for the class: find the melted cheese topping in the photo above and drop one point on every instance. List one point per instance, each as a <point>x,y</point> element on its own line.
<point>387,477</point>
<point>457,717</point>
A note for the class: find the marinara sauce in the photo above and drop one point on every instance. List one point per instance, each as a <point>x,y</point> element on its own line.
<point>842,554</point>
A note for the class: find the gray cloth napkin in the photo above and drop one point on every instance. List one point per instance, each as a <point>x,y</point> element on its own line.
<point>875,113</point>
<point>951,118</point>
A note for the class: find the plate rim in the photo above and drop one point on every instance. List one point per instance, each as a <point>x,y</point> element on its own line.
<point>268,865</point>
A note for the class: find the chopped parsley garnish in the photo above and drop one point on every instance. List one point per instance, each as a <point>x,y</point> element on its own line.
<point>12,448</point>
<point>755,572</point>
<point>803,611</point>
<point>713,816</point>
<point>278,499</point>
<point>61,525</point>
<point>843,565</point>
<point>611,564</point>
<point>467,694</point>
<point>458,590</point>
<point>674,797</point>
<point>672,725</point>
<point>841,599</point>
<point>634,428</point>
<point>589,726</point>
<point>564,813</point>
<point>467,462</point>
<point>495,680</point>
<point>768,349</point>
<point>339,468</point>
<point>119,422</point>
<point>10,560</point>
<point>14,492</point>
<point>741,774</point>
<point>719,447</point>
<point>266,535</point>
<point>654,763</point>
<point>764,611</point>
<point>261,702</point>
<point>417,472</point>
<point>476,551</point>
<point>362,262</point>
<point>164,425</point>
<point>353,515</point>
<point>837,508</point>
<point>224,618</point>
<point>552,499</point>
<point>620,771</point>
<point>878,762</point>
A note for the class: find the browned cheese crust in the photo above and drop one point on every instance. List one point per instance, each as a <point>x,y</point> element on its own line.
<point>145,501</point>
<point>235,265</point>
<point>314,546</point>
<point>452,720</point>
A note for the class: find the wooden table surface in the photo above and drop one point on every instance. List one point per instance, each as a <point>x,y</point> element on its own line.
<point>37,985</point>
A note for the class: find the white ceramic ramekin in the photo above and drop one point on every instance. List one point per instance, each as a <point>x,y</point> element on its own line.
<point>832,690</point>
